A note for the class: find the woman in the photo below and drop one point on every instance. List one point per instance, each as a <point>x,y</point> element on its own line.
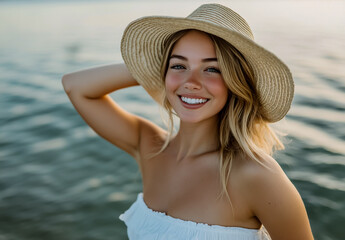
<point>214,179</point>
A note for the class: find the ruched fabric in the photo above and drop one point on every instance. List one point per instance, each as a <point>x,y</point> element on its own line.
<point>145,224</point>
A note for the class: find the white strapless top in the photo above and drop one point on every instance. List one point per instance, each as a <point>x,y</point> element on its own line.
<point>145,224</point>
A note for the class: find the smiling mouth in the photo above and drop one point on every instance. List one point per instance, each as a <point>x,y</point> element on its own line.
<point>193,101</point>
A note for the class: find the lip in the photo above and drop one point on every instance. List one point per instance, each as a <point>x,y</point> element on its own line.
<point>192,96</point>
<point>192,106</point>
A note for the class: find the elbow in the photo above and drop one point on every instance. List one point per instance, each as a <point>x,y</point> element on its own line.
<point>66,83</point>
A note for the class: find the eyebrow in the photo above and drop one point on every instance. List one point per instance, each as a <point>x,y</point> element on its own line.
<point>186,59</point>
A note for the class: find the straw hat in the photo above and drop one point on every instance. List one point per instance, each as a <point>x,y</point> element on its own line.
<point>142,48</point>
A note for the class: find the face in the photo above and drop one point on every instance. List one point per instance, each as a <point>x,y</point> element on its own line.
<point>194,84</point>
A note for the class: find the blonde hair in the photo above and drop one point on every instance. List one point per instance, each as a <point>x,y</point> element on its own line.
<point>241,127</point>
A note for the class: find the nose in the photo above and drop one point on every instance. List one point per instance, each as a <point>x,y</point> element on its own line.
<point>193,81</point>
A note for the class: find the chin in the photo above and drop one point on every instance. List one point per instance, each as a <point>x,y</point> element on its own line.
<point>194,119</point>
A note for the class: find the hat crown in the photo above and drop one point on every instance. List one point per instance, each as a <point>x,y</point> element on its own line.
<point>222,16</point>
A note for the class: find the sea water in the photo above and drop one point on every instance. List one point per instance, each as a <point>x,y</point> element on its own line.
<point>59,180</point>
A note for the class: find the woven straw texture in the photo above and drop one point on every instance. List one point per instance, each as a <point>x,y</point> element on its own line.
<point>142,48</point>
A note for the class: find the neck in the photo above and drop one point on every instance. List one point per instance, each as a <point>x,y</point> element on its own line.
<point>195,139</point>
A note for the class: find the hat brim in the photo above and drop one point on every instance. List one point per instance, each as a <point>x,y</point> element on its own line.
<point>142,47</point>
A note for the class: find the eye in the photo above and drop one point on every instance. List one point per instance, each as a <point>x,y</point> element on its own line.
<point>177,66</point>
<point>213,69</point>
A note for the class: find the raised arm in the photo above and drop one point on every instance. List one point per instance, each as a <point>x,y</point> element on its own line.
<point>88,91</point>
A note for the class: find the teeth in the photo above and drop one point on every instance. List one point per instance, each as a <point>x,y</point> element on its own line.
<point>193,100</point>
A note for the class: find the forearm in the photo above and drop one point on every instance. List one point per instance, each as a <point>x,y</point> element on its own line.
<point>99,81</point>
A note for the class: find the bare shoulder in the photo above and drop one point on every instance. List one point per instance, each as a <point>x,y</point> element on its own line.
<point>273,199</point>
<point>251,170</point>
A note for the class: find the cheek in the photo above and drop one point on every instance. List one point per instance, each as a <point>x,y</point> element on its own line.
<point>218,88</point>
<point>172,82</point>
